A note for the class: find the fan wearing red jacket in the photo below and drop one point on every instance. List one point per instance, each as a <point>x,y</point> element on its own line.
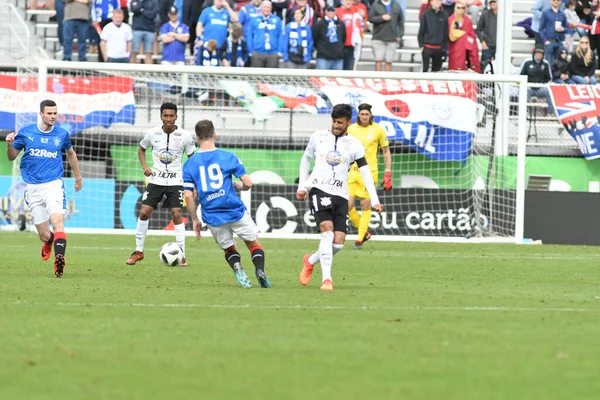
<point>463,52</point>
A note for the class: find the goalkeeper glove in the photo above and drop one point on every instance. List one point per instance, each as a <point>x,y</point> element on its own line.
<point>387,181</point>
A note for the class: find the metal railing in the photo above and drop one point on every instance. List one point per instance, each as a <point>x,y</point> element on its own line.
<point>16,34</point>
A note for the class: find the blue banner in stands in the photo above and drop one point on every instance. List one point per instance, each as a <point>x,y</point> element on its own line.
<point>435,118</point>
<point>578,109</point>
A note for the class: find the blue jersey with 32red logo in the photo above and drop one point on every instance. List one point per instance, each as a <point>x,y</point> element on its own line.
<point>210,172</point>
<point>42,155</point>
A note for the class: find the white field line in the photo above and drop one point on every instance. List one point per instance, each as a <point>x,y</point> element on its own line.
<point>305,307</point>
<point>210,247</point>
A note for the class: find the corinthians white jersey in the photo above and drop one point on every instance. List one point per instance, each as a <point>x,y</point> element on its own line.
<point>167,154</point>
<point>333,155</point>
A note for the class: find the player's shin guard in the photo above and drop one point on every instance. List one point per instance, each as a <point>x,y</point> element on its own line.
<point>180,236</point>
<point>232,257</point>
<point>60,243</point>
<point>258,257</point>
<point>363,226</point>
<point>354,217</point>
<point>140,234</point>
<point>326,254</point>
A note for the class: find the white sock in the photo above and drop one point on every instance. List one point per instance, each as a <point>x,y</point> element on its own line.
<point>180,236</point>
<point>326,254</point>
<point>140,234</point>
<point>314,258</point>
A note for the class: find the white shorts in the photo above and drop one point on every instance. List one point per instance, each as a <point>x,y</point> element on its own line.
<point>45,199</point>
<point>246,229</point>
<point>384,51</point>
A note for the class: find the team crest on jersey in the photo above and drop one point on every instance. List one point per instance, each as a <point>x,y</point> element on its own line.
<point>334,158</point>
<point>56,141</point>
<point>348,145</point>
<point>166,157</point>
<point>325,201</point>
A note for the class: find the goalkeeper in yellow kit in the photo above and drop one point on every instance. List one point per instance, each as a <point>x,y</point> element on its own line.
<point>372,136</point>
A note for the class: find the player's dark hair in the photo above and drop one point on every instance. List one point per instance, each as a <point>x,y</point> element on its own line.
<point>367,107</point>
<point>204,129</point>
<point>342,111</point>
<point>168,106</point>
<point>46,103</point>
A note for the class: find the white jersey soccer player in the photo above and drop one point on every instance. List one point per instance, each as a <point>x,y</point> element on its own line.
<point>42,170</point>
<point>165,180</point>
<point>334,151</point>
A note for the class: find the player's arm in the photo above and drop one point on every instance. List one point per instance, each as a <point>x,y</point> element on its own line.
<point>142,157</point>
<point>190,202</point>
<point>245,183</point>
<point>11,152</point>
<point>309,154</point>
<point>387,161</point>
<point>74,163</point>
<point>365,172</point>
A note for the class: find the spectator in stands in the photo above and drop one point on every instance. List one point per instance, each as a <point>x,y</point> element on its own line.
<point>207,54</point>
<point>329,35</point>
<point>278,6</point>
<point>487,29</point>
<point>594,35</point>
<point>561,72</point>
<point>265,38</point>
<point>77,21</point>
<point>102,15</point>
<point>349,16</point>
<point>145,13</point>
<point>125,7</point>
<point>474,9</point>
<point>247,14</point>
<point>214,23</point>
<point>583,63</point>
<point>234,52</point>
<point>174,35</point>
<point>424,7</point>
<point>297,46</point>
<point>448,6</point>
<point>433,36</point>
<point>537,9</point>
<point>572,20</point>
<point>553,25</point>
<point>388,29</point>
<point>537,71</point>
<point>307,11</point>
<point>190,14</point>
<point>59,7</point>
<point>463,53</point>
<point>115,40</point>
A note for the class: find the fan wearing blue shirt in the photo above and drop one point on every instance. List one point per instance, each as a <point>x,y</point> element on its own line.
<point>214,22</point>
<point>210,174</point>
<point>42,170</point>
<point>174,36</point>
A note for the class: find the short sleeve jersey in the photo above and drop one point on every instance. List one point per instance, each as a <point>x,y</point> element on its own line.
<point>210,172</point>
<point>42,155</point>
<point>333,157</point>
<point>167,154</point>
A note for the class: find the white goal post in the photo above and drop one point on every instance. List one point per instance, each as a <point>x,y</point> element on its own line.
<point>458,153</point>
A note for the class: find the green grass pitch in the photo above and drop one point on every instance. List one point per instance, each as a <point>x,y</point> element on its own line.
<point>406,321</point>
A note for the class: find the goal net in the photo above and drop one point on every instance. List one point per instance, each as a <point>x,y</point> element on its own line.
<point>456,160</point>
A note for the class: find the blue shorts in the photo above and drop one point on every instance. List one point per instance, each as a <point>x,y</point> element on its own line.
<point>142,36</point>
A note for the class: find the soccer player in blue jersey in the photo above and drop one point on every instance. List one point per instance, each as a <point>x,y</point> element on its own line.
<point>42,170</point>
<point>210,173</point>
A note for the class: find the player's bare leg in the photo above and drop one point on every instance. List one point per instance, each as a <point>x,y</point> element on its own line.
<point>363,226</point>
<point>140,235</point>
<point>60,243</point>
<point>179,227</point>
<point>233,258</point>
<point>258,259</point>
<point>47,237</point>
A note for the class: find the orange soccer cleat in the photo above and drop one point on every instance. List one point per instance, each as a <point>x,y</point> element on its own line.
<point>327,285</point>
<point>306,272</point>
<point>59,265</point>
<point>46,250</point>
<point>135,257</point>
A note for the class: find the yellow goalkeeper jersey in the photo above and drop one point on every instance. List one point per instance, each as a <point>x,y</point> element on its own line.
<point>372,137</point>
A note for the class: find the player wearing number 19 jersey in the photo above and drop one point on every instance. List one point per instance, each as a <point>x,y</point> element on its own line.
<point>210,173</point>
<point>169,144</point>
<point>334,151</point>
<point>42,170</point>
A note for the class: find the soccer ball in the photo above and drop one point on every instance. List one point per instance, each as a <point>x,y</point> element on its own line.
<point>171,254</point>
